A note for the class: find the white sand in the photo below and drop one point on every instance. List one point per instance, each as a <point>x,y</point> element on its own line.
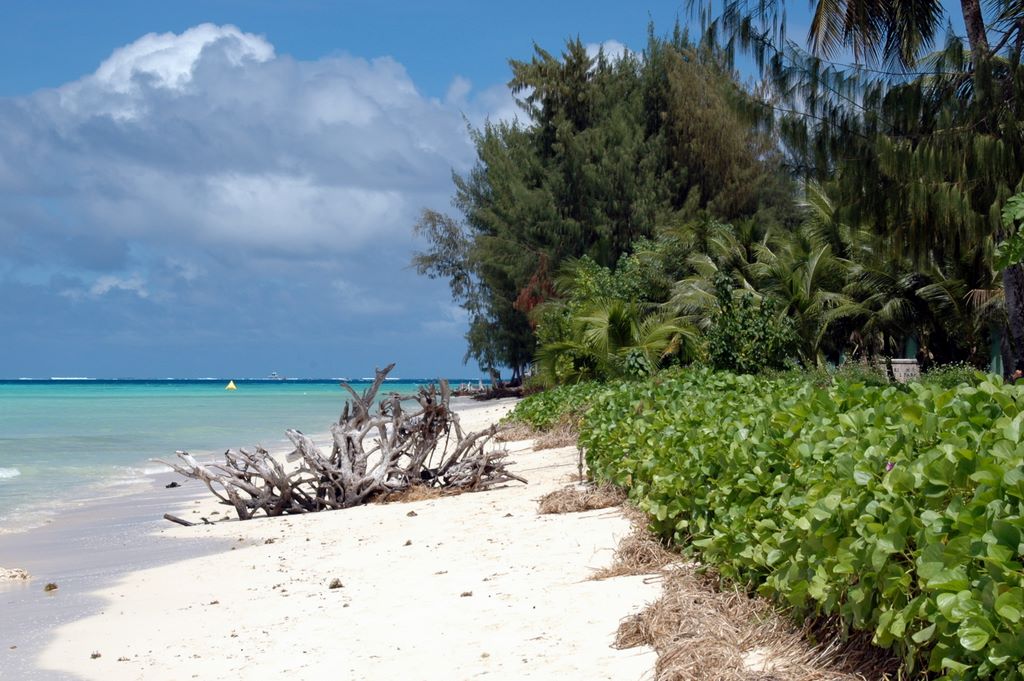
<point>264,610</point>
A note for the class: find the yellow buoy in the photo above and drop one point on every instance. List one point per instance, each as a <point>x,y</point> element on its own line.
<point>230,386</point>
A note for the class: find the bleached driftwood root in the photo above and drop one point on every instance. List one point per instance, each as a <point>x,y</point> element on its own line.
<point>374,453</point>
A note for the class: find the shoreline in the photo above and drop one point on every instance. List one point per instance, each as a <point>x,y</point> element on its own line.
<point>104,435</point>
<point>87,542</point>
<point>83,549</point>
<point>444,588</point>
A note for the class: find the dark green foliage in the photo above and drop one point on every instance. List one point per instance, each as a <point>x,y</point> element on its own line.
<point>748,337</point>
<point>545,409</point>
<point>897,511</point>
<point>600,327</point>
<point>607,150</point>
<point>1010,250</point>
<point>923,151</point>
<point>952,375</point>
<point>498,335</point>
<point>845,374</point>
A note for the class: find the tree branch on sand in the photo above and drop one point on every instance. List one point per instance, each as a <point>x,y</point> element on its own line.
<point>375,453</point>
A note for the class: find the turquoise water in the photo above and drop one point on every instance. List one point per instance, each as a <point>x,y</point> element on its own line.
<point>64,442</point>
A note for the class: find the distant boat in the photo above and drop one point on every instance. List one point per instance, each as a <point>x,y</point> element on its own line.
<point>230,386</point>
<point>275,377</point>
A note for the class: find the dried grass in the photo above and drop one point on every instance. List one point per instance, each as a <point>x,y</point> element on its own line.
<point>414,493</point>
<point>562,434</point>
<point>577,498</point>
<point>516,431</point>
<point>640,521</point>
<point>639,553</point>
<point>703,634</point>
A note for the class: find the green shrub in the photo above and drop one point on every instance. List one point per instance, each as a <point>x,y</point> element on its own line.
<point>544,409</point>
<point>846,373</point>
<point>953,375</point>
<point>748,337</point>
<point>864,374</point>
<point>896,510</point>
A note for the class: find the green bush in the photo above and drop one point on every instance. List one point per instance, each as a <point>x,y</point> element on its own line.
<point>846,373</point>
<point>896,510</point>
<point>953,375</point>
<point>544,409</point>
<point>748,337</point>
<point>865,374</point>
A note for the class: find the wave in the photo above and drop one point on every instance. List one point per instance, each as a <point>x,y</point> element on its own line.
<point>9,473</point>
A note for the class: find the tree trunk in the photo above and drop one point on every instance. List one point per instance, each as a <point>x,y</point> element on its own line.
<point>1005,352</point>
<point>974,21</point>
<point>1013,291</point>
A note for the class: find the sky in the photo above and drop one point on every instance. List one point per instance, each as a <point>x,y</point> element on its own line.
<point>227,187</point>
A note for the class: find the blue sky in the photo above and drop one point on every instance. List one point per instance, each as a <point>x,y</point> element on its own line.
<point>227,187</point>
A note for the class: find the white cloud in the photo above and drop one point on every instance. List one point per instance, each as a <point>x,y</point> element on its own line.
<point>203,182</point>
<point>495,104</point>
<point>165,61</point>
<point>450,320</point>
<point>107,283</point>
<point>170,59</point>
<point>458,90</point>
<point>355,299</point>
<point>613,49</point>
<point>210,139</point>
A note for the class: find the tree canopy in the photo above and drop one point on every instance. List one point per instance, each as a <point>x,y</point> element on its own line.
<point>608,151</point>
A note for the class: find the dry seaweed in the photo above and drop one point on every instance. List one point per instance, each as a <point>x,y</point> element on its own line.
<point>515,431</point>
<point>415,493</point>
<point>704,634</point>
<point>562,434</point>
<point>577,498</point>
<point>639,553</point>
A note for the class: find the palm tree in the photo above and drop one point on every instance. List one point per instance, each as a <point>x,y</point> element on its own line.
<point>927,145</point>
<point>711,248</point>
<point>894,32</point>
<point>887,32</point>
<point>806,280</point>
<point>613,338</point>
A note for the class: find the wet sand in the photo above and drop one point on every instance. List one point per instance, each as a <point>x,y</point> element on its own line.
<point>83,550</point>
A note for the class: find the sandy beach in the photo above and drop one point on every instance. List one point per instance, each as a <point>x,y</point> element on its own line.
<point>476,585</point>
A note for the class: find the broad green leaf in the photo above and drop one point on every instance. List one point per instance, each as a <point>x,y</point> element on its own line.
<point>914,413</point>
<point>924,634</point>
<point>972,638</point>
<point>862,476</point>
<point>948,579</point>
<point>1010,605</point>
<point>953,665</point>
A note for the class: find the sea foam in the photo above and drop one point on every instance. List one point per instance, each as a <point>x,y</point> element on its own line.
<point>9,473</point>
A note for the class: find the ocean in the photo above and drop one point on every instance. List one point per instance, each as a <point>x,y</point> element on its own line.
<point>66,442</point>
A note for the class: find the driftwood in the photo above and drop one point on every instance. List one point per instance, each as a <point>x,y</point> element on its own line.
<point>176,519</point>
<point>375,453</point>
